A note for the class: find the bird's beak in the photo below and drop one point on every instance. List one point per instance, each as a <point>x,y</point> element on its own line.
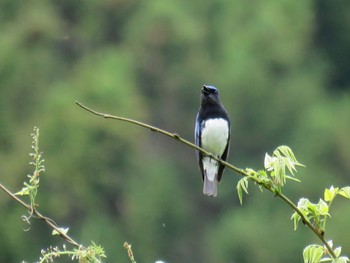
<point>205,90</point>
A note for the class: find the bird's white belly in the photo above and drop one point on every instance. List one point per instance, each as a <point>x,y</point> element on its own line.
<point>214,136</point>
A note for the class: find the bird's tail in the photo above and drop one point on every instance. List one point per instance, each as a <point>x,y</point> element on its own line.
<point>210,188</point>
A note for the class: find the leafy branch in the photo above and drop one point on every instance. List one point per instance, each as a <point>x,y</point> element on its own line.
<point>317,214</point>
<point>92,253</point>
<point>273,177</point>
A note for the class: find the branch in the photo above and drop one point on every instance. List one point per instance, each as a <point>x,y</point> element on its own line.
<point>228,165</point>
<point>127,246</point>
<point>166,133</point>
<point>38,215</point>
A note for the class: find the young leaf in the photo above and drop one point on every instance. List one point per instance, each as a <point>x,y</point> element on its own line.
<point>325,259</point>
<point>345,191</point>
<point>62,229</point>
<point>322,208</point>
<point>330,193</point>
<point>295,217</point>
<point>337,251</point>
<point>286,151</point>
<point>292,178</point>
<point>341,260</point>
<point>269,162</point>
<point>313,254</point>
<point>240,193</point>
<point>330,243</point>
<point>24,191</point>
<point>303,204</point>
<point>290,165</point>
<point>242,185</point>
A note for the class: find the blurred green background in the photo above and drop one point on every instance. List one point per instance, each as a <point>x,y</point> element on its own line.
<point>282,68</point>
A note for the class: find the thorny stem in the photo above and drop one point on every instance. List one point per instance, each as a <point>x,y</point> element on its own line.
<point>37,214</point>
<point>228,165</point>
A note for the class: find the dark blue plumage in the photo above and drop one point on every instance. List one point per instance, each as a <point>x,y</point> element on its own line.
<point>212,133</point>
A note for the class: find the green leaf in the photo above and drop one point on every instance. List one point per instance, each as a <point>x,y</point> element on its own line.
<point>23,191</point>
<point>330,193</point>
<point>322,208</point>
<point>337,251</point>
<point>262,174</point>
<point>62,229</point>
<point>330,243</point>
<point>286,151</point>
<point>282,159</point>
<point>313,254</point>
<point>290,165</point>
<point>240,193</point>
<point>326,259</point>
<point>292,178</point>
<point>269,162</point>
<point>296,218</point>
<point>304,204</point>
<point>345,191</point>
<point>242,185</point>
<point>341,260</point>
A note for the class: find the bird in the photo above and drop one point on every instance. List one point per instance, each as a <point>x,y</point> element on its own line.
<point>212,133</point>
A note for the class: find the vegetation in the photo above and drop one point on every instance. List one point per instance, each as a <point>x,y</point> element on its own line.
<point>282,71</point>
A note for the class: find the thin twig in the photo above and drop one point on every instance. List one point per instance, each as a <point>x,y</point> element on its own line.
<point>307,222</point>
<point>166,133</point>
<point>28,207</point>
<point>38,215</point>
<point>127,246</point>
<point>228,165</point>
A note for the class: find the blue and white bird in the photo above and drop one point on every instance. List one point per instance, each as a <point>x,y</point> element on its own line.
<point>212,133</point>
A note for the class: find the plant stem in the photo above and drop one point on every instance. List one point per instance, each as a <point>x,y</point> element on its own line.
<point>228,165</point>
<point>325,217</point>
<point>37,214</point>
<point>307,222</point>
<point>127,246</point>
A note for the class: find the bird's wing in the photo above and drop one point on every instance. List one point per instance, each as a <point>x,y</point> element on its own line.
<point>197,139</point>
<point>224,158</point>
<point>197,132</point>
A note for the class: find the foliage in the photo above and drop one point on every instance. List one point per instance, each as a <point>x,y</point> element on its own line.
<point>317,214</point>
<point>92,253</point>
<point>274,176</point>
<point>313,215</point>
<point>31,189</point>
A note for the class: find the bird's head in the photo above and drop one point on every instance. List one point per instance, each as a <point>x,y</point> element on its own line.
<point>210,95</point>
<point>209,90</point>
